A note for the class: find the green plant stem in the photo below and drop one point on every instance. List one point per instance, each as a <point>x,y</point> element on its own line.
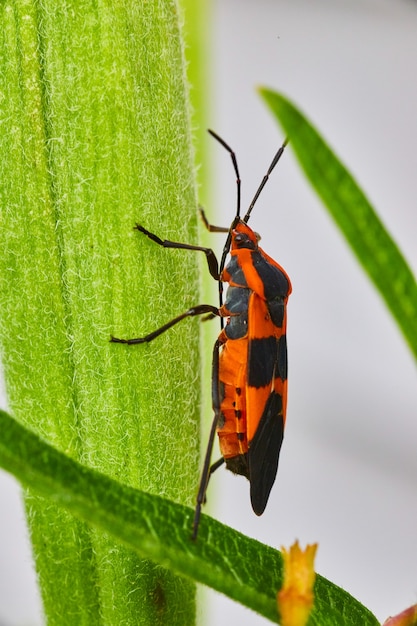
<point>95,136</point>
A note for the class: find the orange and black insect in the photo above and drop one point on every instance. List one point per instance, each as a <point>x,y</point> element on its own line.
<point>249,370</point>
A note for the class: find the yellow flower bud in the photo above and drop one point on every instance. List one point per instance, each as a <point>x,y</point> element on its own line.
<point>296,597</point>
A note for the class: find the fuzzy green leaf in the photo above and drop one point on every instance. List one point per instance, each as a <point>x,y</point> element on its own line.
<point>221,558</point>
<point>354,215</point>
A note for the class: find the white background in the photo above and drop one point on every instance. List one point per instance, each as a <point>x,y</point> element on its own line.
<point>348,469</point>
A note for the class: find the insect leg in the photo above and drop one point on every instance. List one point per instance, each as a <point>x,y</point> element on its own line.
<point>212,262</point>
<point>210,227</point>
<point>207,468</point>
<point>200,309</point>
<point>205,477</point>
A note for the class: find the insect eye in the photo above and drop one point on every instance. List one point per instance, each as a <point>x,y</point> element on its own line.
<point>243,241</point>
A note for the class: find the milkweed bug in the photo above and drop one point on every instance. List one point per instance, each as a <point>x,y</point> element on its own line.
<point>249,367</point>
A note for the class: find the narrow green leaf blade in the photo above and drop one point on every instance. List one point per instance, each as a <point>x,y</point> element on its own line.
<point>347,204</point>
<point>157,529</point>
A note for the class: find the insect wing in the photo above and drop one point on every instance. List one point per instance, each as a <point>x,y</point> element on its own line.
<point>263,455</point>
<point>266,393</point>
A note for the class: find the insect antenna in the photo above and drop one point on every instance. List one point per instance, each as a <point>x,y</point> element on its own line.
<point>264,180</point>
<point>252,204</point>
<point>237,216</point>
<point>234,161</point>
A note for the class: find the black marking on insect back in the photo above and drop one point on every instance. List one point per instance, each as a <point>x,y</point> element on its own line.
<point>240,436</point>
<point>274,281</point>
<point>236,273</point>
<point>237,326</point>
<point>282,360</point>
<point>263,454</point>
<point>262,355</point>
<point>237,303</point>
<point>237,299</point>
<point>276,308</point>
<point>238,465</point>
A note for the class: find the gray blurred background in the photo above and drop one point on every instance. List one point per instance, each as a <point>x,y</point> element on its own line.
<point>348,468</point>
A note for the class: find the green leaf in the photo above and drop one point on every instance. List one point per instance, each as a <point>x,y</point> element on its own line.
<point>96,136</point>
<point>221,558</point>
<point>352,212</point>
